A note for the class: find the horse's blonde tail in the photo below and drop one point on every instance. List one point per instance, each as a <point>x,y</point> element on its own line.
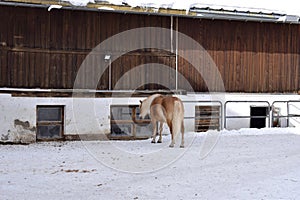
<point>177,121</point>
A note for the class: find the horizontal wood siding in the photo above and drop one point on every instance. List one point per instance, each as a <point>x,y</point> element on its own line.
<point>41,49</point>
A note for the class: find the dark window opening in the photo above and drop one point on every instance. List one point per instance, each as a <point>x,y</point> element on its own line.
<point>50,122</point>
<point>258,116</point>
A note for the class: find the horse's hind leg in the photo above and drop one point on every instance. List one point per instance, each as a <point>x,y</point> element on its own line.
<point>160,132</point>
<point>154,125</point>
<point>172,135</point>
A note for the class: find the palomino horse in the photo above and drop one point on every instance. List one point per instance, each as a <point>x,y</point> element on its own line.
<point>164,109</point>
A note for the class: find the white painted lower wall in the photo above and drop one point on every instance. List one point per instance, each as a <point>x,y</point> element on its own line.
<point>92,115</point>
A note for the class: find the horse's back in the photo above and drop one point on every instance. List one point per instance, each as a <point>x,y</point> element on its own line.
<point>157,100</point>
<point>166,107</point>
<point>168,103</point>
<point>156,110</point>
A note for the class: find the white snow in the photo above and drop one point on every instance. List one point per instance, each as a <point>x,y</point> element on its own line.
<point>80,2</point>
<point>290,7</point>
<point>244,164</point>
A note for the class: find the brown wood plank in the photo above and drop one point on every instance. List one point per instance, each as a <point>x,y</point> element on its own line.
<point>3,68</point>
<point>251,57</point>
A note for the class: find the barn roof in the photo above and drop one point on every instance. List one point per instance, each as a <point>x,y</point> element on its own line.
<point>255,10</point>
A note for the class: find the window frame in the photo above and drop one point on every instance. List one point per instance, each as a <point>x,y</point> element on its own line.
<point>60,123</point>
<point>207,117</point>
<point>134,123</point>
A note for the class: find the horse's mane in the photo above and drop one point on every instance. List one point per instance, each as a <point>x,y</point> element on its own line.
<point>149,100</point>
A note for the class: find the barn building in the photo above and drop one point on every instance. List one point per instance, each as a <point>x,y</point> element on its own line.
<point>78,71</point>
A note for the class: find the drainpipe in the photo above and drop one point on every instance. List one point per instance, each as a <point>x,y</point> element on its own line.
<point>176,58</point>
<point>172,50</point>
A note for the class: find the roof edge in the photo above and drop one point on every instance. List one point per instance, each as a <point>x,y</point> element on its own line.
<point>201,13</point>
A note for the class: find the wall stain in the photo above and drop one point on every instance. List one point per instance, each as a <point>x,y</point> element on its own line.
<point>23,133</point>
<point>25,125</point>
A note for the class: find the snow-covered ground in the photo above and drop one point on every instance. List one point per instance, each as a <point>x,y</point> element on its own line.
<point>244,164</point>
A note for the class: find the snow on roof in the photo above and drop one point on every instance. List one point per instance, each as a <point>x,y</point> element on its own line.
<point>287,7</point>
<point>251,10</point>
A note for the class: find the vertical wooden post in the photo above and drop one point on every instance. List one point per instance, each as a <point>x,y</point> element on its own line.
<point>133,119</point>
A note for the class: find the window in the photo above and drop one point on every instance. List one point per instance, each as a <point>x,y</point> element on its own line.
<point>126,123</point>
<point>50,122</point>
<point>207,117</point>
<point>258,116</point>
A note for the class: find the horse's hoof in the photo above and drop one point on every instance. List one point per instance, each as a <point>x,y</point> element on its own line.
<point>181,146</point>
<point>171,145</point>
<point>153,141</point>
<point>158,141</point>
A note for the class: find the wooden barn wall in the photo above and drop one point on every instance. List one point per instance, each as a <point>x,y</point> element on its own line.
<point>41,49</point>
<point>251,56</point>
<point>144,74</point>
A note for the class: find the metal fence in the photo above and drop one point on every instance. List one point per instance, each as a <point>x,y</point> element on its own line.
<point>290,115</point>
<point>246,116</point>
<point>271,114</point>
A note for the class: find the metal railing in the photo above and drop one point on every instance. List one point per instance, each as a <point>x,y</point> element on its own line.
<point>246,116</point>
<point>289,114</point>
